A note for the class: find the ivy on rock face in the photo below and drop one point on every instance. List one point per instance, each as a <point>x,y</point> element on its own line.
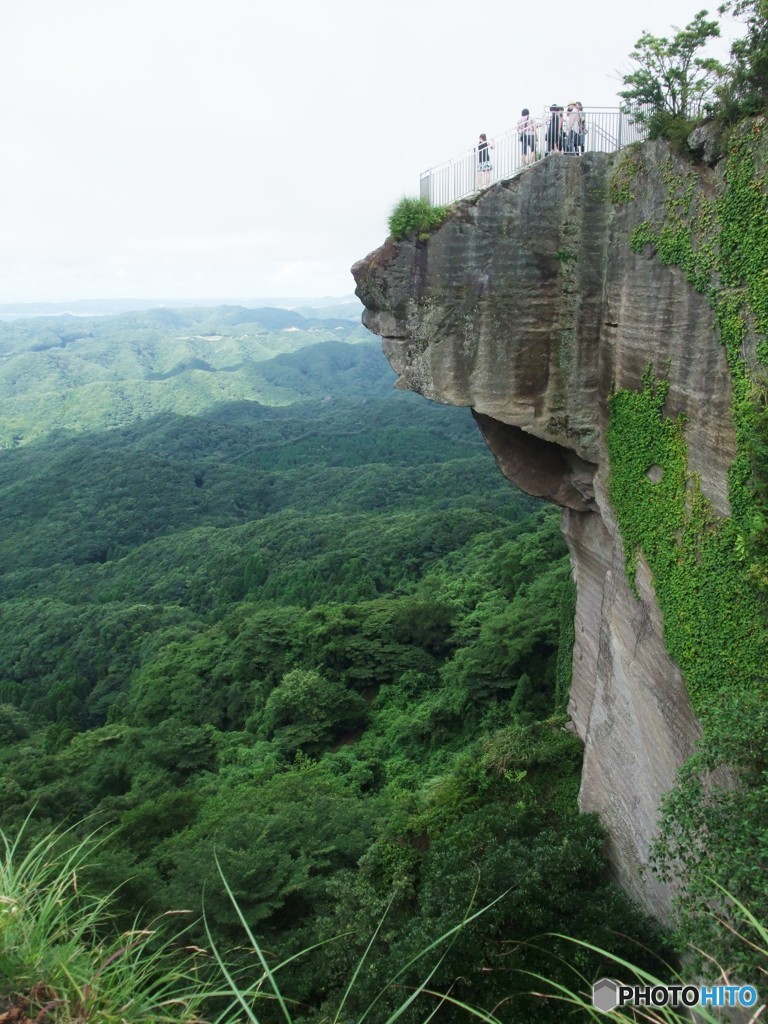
<point>714,622</point>
<point>710,574</point>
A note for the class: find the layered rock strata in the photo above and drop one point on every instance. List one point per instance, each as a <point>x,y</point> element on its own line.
<point>529,307</point>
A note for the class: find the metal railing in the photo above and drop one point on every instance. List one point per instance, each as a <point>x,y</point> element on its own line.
<point>606,130</point>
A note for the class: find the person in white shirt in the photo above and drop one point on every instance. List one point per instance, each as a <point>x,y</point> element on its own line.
<point>573,124</point>
<point>582,129</point>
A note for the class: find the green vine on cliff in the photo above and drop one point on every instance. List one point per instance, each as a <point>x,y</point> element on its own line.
<point>567,639</point>
<point>722,247</point>
<point>624,175</point>
<point>686,237</point>
<point>712,621</point>
<point>640,441</point>
<point>710,573</point>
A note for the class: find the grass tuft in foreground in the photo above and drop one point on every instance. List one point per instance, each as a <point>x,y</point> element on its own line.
<point>62,961</point>
<point>61,957</point>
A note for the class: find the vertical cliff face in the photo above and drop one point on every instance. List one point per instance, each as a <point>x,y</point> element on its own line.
<point>529,306</point>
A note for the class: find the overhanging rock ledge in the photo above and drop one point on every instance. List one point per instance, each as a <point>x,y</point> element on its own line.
<point>528,306</point>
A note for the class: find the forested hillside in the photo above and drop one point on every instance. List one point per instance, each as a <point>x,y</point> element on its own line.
<point>260,607</point>
<point>82,373</point>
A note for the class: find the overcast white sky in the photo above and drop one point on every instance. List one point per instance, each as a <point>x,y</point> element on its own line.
<point>219,148</point>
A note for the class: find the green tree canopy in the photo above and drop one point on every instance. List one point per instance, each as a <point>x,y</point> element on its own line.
<point>744,90</point>
<point>672,80</point>
<point>305,711</point>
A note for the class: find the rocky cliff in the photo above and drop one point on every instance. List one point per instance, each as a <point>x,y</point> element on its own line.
<point>531,305</point>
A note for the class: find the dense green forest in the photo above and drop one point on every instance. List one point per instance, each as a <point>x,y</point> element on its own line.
<point>262,609</point>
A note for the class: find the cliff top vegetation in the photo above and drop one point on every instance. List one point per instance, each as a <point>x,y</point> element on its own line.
<point>674,84</point>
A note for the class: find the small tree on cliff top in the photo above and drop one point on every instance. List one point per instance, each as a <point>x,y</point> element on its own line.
<point>672,82</point>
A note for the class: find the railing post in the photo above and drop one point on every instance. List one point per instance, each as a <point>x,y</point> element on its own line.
<point>425,190</point>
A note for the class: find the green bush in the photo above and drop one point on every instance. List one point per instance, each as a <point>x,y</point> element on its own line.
<point>662,125</point>
<point>305,712</point>
<point>415,215</point>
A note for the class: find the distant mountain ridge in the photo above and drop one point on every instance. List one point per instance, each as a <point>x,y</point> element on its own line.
<point>347,306</point>
<point>87,373</point>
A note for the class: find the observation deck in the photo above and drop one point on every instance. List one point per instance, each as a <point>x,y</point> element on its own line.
<point>607,129</point>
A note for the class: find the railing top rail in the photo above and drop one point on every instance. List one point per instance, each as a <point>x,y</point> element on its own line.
<point>495,141</point>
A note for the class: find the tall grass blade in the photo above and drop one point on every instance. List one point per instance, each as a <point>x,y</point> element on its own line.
<point>235,990</point>
<point>428,949</point>
<point>256,946</point>
<point>361,961</point>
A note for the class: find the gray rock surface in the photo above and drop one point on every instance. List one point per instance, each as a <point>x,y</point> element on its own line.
<point>706,141</point>
<point>529,306</point>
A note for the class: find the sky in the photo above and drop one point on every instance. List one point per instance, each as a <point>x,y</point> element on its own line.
<point>197,149</point>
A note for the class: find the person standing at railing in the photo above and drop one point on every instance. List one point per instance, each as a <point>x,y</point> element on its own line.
<point>555,129</point>
<point>484,165</point>
<point>527,127</point>
<point>572,128</point>
<point>582,144</point>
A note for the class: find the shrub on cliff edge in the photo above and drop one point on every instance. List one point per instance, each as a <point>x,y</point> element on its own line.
<point>411,215</point>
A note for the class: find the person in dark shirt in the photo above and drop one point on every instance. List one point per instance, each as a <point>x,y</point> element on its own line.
<point>555,129</point>
<point>527,127</point>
